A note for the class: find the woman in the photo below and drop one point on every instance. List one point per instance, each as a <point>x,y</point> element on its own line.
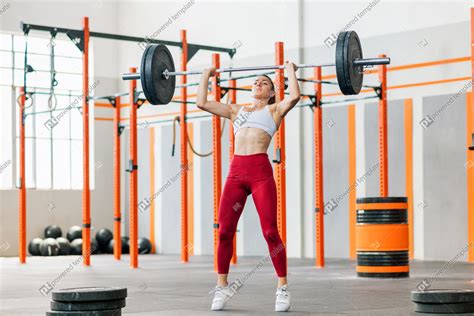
<point>251,173</point>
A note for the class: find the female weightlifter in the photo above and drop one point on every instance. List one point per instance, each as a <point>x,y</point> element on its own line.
<point>251,173</point>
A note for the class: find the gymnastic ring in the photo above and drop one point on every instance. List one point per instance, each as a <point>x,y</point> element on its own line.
<point>50,101</point>
<point>28,96</point>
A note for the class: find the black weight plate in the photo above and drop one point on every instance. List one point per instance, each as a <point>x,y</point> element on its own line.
<point>88,305</point>
<point>443,296</point>
<point>81,294</point>
<point>348,48</point>
<point>383,253</point>
<point>382,212</point>
<point>145,78</point>
<point>353,51</point>
<point>164,87</point>
<point>110,312</point>
<point>380,220</point>
<point>340,62</point>
<point>445,308</point>
<point>384,263</point>
<point>155,60</point>
<point>389,199</point>
<point>390,275</point>
<point>381,216</point>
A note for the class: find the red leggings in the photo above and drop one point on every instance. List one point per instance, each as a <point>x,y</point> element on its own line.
<point>249,174</point>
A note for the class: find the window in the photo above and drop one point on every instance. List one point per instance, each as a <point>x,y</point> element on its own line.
<point>53,139</point>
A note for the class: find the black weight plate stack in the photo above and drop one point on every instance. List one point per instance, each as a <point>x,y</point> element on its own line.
<point>440,301</point>
<point>348,49</point>
<point>376,217</point>
<point>155,60</point>
<point>98,301</point>
<point>386,258</point>
<point>383,215</point>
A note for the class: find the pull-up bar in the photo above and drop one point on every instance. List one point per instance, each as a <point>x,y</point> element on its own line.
<point>77,36</point>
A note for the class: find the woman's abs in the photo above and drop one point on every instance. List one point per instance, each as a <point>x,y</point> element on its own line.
<point>251,140</point>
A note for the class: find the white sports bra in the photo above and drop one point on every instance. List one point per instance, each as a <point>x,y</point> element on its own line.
<point>261,119</point>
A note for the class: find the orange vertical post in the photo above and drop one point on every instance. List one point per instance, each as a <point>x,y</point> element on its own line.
<point>279,147</point>
<point>383,144</point>
<point>351,110</point>
<point>184,155</point>
<point>216,157</point>
<point>86,204</point>
<point>133,176</point>
<point>117,212</point>
<point>233,100</point>
<point>318,171</point>
<point>152,188</point>
<point>22,189</point>
<point>408,114</point>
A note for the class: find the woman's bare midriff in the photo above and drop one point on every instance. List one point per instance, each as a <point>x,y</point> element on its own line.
<point>250,140</point>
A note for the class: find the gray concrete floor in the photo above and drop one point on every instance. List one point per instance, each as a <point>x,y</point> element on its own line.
<point>165,286</point>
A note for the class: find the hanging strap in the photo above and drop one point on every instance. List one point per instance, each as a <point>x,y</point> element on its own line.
<point>52,100</point>
<point>26,69</point>
<point>176,119</point>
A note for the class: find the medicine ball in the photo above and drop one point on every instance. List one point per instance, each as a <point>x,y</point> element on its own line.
<point>53,231</point>
<point>144,246</point>
<point>64,246</point>
<point>49,247</point>
<point>73,233</point>
<point>76,246</point>
<point>94,246</point>
<point>124,243</point>
<point>34,246</point>
<point>103,237</point>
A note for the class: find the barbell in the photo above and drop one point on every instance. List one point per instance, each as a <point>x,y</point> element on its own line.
<point>158,75</point>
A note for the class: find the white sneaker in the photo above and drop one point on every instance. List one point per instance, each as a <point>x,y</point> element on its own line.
<point>221,295</point>
<point>282,302</point>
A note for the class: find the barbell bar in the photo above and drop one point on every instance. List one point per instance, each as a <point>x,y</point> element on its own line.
<point>167,74</point>
<point>158,75</point>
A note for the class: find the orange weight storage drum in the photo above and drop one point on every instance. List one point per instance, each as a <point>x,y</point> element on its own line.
<point>382,237</point>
